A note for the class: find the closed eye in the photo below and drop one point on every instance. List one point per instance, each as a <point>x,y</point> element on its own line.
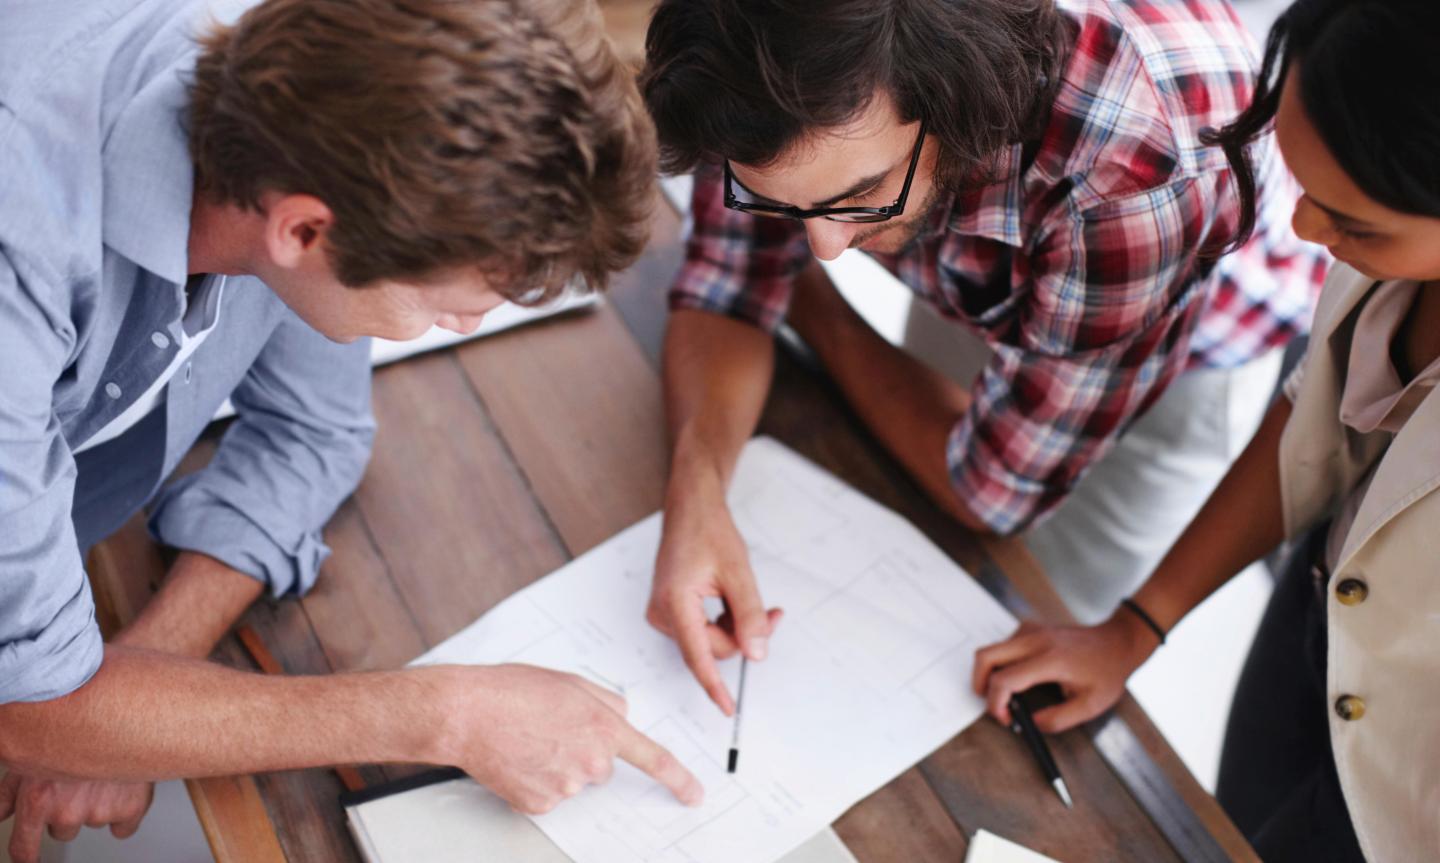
<point>863,196</point>
<point>1352,234</point>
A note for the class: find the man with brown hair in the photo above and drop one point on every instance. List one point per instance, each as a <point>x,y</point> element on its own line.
<point>184,223</point>
<point>1038,172</point>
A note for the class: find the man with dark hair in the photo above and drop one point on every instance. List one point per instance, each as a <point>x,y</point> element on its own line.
<point>181,223</point>
<point>1038,172</point>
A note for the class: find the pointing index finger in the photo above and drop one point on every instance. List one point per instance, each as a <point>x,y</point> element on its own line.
<point>657,762</point>
<point>694,639</point>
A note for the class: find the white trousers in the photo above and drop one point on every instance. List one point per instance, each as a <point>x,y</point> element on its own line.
<point>1108,535</point>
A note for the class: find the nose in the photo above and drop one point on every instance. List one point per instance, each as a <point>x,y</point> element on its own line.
<point>828,239</point>
<point>1313,224</point>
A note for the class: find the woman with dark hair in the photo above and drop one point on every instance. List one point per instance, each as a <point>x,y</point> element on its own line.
<point>1331,749</point>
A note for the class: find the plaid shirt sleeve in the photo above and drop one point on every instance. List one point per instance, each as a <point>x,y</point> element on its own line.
<point>736,264</point>
<point>1105,327</point>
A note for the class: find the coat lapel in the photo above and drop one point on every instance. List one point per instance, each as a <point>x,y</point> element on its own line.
<point>1409,470</point>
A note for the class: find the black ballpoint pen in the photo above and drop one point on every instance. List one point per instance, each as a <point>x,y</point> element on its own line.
<point>734,761</point>
<point>1024,725</point>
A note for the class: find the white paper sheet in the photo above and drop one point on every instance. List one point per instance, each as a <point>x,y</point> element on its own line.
<point>503,317</point>
<point>460,822</point>
<point>868,673</point>
<point>986,847</point>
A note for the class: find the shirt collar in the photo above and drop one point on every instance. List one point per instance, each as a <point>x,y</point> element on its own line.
<point>991,208</point>
<point>149,178</point>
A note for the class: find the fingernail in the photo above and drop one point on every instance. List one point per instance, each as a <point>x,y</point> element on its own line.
<point>758,648</point>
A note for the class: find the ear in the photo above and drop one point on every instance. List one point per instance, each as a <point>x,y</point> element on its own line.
<point>295,229</point>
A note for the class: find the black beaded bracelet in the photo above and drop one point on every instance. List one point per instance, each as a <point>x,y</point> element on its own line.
<point>1149,621</point>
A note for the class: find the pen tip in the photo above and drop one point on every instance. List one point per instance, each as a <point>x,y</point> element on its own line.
<point>1064,793</point>
<point>734,760</point>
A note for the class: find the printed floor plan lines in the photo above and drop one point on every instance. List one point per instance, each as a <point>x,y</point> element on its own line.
<point>872,661</point>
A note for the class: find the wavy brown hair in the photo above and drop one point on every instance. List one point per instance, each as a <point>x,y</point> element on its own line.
<point>500,134</point>
<point>746,79</point>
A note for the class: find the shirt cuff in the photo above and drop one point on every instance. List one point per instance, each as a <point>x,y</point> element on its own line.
<point>767,316</point>
<point>187,516</point>
<point>59,659</point>
<point>1001,500</point>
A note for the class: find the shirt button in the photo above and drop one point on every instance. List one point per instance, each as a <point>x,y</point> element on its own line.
<point>187,373</point>
<point>1351,591</point>
<point>1350,707</point>
<point>160,340</point>
<point>112,390</point>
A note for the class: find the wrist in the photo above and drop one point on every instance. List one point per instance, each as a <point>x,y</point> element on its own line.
<point>431,729</point>
<point>697,481</point>
<point>1138,639</point>
<point>199,602</point>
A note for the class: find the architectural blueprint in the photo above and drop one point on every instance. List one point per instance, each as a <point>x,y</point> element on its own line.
<point>868,672</point>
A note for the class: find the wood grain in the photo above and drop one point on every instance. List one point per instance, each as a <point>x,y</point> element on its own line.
<point>235,820</point>
<point>361,621</point>
<point>901,823</point>
<point>450,514</point>
<point>579,409</point>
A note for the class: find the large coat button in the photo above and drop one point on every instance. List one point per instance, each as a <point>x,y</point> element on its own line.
<point>1350,707</point>
<point>1351,591</point>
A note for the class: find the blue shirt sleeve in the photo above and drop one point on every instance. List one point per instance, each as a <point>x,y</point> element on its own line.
<point>297,449</point>
<point>50,644</point>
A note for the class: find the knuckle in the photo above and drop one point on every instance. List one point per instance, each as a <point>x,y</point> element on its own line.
<point>600,718</point>
<point>531,803</point>
<point>597,766</point>
<point>73,815</point>
<point>35,795</point>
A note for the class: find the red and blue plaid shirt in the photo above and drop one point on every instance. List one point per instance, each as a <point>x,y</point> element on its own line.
<point>1082,267</point>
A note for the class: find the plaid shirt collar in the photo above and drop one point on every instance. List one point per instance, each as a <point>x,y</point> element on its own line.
<point>990,209</point>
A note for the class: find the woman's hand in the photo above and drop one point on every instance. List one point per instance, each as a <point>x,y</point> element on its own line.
<point>1091,664</point>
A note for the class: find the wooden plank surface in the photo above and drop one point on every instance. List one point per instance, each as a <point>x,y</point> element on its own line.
<point>449,512</point>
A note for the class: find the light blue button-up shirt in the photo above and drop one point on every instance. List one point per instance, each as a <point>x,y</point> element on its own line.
<point>95,194</point>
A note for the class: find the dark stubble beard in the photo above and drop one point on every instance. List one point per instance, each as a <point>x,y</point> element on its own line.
<point>907,231</point>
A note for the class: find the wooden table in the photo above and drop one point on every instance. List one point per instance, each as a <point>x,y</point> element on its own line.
<point>500,460</point>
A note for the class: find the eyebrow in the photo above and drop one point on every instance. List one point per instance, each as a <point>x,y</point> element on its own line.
<point>863,185</point>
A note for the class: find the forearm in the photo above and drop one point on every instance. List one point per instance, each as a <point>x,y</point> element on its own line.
<point>147,715</point>
<point>909,406</point>
<point>199,602</point>
<point>717,375</point>
<point>1241,521</point>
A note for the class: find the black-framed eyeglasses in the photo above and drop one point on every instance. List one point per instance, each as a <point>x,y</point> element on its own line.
<point>834,214</point>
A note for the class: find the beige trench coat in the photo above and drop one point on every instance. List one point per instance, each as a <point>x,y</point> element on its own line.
<point>1384,638</point>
